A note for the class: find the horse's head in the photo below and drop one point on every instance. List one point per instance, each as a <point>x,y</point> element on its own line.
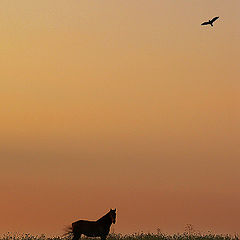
<point>112,214</point>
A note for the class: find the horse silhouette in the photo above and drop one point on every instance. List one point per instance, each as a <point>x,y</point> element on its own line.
<point>210,22</point>
<point>99,228</point>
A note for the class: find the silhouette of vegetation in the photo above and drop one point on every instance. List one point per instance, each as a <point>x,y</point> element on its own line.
<point>135,236</point>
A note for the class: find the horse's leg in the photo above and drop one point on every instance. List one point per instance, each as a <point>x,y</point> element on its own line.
<point>76,236</point>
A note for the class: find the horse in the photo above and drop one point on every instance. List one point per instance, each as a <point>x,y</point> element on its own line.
<point>99,228</point>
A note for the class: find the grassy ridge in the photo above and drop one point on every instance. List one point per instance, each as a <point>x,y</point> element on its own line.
<point>142,236</point>
<point>183,236</point>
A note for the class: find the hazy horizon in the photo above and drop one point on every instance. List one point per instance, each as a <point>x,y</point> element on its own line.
<point>120,104</point>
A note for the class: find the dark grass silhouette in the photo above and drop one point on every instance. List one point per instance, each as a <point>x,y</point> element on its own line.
<point>136,236</point>
<point>210,22</point>
<point>99,228</point>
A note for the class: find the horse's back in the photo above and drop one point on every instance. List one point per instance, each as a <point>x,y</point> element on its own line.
<point>88,228</point>
<point>80,222</point>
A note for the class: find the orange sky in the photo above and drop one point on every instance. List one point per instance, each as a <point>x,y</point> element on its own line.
<point>126,104</point>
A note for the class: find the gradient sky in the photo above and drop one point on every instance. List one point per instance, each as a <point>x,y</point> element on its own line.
<point>126,104</point>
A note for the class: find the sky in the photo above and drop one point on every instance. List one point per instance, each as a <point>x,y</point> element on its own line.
<point>119,104</point>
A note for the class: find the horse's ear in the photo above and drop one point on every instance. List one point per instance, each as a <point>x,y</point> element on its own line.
<point>115,209</point>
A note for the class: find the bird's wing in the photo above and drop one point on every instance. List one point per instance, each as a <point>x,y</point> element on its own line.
<point>214,19</point>
<point>205,23</point>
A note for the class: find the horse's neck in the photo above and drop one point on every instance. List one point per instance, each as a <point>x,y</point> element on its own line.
<point>105,219</point>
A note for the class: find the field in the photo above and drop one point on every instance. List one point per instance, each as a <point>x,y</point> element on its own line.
<point>137,236</point>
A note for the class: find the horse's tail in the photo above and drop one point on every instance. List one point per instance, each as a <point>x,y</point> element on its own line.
<point>68,231</point>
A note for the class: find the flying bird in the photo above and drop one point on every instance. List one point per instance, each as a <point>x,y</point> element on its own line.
<point>210,22</point>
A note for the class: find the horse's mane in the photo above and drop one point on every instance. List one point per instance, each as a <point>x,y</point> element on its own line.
<point>104,218</point>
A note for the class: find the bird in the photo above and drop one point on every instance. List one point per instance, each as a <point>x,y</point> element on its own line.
<point>210,22</point>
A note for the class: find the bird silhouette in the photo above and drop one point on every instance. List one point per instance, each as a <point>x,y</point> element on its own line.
<point>210,22</point>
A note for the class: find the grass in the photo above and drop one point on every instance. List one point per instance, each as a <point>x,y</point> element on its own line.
<point>136,236</point>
